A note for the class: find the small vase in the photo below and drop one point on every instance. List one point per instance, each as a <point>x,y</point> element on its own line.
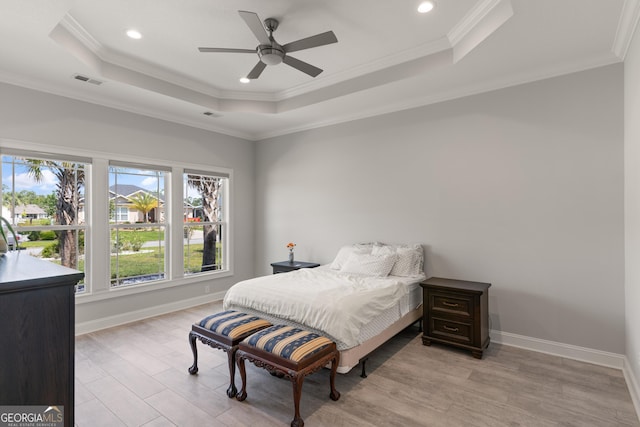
<point>4,248</point>
<point>290,257</point>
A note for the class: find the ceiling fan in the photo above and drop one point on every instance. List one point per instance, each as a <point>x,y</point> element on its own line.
<point>272,53</point>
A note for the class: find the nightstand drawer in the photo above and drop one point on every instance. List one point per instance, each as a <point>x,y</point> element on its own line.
<point>450,303</point>
<point>452,330</point>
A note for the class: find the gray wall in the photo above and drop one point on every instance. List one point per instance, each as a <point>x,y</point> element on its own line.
<point>632,212</point>
<point>520,187</point>
<point>36,117</point>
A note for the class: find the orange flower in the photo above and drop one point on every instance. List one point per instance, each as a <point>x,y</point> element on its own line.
<point>291,245</point>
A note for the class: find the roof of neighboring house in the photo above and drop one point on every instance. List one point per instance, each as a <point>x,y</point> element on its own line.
<point>128,190</point>
<point>29,209</point>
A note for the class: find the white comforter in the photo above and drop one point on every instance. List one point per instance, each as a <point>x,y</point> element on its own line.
<point>337,303</point>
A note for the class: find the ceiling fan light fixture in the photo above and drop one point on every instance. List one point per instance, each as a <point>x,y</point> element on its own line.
<point>270,55</point>
<point>426,6</point>
<point>245,80</point>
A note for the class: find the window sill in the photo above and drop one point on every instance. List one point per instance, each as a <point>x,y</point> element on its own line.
<point>149,287</point>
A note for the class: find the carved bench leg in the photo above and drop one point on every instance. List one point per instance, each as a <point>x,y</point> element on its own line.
<point>242,395</point>
<point>297,381</point>
<point>192,340</point>
<point>232,390</point>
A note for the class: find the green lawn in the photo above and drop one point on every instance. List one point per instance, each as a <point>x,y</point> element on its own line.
<point>145,235</point>
<point>37,243</point>
<point>148,261</point>
<point>151,261</point>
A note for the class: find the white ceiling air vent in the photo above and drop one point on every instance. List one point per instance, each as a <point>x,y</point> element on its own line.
<point>87,79</point>
<point>212,114</point>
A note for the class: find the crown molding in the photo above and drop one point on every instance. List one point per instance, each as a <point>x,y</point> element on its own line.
<point>626,28</point>
<point>473,18</point>
<point>69,23</point>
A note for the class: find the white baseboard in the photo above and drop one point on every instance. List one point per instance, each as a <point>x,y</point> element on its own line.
<point>583,354</point>
<point>121,319</point>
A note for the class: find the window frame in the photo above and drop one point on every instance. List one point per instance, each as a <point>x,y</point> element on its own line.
<point>162,175</point>
<point>83,225</point>
<point>221,224</point>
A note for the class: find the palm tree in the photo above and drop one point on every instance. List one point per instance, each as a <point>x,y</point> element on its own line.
<point>70,181</point>
<point>209,188</point>
<point>145,203</point>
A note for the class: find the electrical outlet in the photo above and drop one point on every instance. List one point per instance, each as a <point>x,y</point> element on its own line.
<point>207,289</point>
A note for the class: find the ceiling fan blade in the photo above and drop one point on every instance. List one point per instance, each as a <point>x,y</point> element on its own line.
<point>225,50</point>
<point>309,42</point>
<point>302,66</point>
<point>257,70</point>
<point>255,25</point>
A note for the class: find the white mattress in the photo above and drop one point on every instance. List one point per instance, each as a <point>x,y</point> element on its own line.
<point>408,302</point>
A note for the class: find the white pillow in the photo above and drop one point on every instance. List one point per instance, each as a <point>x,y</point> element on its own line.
<point>371,265</point>
<point>409,262</point>
<point>410,258</point>
<point>344,252</point>
<point>382,249</point>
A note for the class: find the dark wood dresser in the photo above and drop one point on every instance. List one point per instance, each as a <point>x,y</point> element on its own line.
<point>37,332</point>
<point>456,312</point>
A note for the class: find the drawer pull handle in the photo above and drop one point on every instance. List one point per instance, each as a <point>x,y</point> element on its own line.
<point>450,329</point>
<point>449,304</point>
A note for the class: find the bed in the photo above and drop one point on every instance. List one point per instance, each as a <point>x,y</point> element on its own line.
<point>368,294</point>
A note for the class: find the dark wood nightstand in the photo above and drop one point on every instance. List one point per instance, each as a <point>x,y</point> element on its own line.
<point>286,266</point>
<point>456,312</point>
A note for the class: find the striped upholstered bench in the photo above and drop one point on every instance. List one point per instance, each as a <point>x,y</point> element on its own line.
<point>224,331</point>
<point>290,352</point>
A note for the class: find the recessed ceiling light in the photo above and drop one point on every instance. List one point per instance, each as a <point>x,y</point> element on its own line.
<point>244,80</point>
<point>134,34</point>
<point>426,6</point>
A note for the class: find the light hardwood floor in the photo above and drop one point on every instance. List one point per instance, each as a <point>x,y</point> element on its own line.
<point>136,375</point>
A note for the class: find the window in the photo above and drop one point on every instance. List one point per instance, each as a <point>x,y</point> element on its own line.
<point>138,224</point>
<point>156,226</point>
<point>120,214</point>
<point>43,198</point>
<point>205,223</point>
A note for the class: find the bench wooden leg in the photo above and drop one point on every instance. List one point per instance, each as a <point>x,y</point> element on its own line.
<point>232,390</point>
<point>296,376</point>
<point>192,340</point>
<point>297,381</point>
<point>242,395</point>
